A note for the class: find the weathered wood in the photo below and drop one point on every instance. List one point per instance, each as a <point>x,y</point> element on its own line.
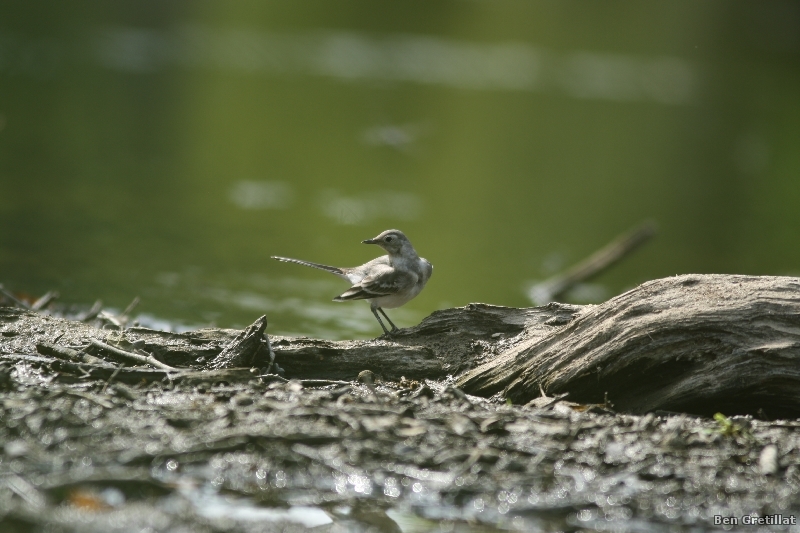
<point>695,343</point>
<point>445,343</point>
<point>244,348</point>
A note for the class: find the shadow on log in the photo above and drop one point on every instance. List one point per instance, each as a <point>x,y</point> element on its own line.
<point>694,343</point>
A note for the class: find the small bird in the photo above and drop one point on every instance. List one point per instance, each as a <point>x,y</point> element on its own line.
<point>388,281</point>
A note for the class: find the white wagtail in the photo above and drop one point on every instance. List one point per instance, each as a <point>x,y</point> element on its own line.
<point>388,281</point>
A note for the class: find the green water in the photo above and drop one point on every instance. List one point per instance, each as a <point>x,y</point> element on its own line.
<point>166,149</point>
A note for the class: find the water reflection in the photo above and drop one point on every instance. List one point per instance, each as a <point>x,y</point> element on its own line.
<point>508,138</point>
<point>262,195</point>
<point>399,137</point>
<point>369,206</point>
<point>420,59</point>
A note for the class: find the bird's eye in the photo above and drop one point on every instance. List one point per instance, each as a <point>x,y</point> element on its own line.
<point>388,238</point>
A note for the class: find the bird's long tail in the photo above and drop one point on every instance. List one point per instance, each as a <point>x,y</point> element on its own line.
<point>326,268</point>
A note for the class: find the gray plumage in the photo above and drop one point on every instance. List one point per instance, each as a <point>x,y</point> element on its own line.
<point>388,281</point>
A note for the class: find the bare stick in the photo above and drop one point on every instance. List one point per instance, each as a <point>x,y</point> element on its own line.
<point>544,292</point>
<point>109,380</point>
<point>93,312</point>
<point>69,354</point>
<point>147,359</point>
<point>13,298</point>
<point>44,301</point>
<point>323,382</point>
<point>108,317</point>
<point>131,306</point>
<point>125,315</point>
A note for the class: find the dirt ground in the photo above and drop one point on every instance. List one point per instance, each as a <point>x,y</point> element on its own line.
<point>88,454</point>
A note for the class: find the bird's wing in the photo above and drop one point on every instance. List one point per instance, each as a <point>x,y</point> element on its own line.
<point>382,283</point>
<point>357,274</point>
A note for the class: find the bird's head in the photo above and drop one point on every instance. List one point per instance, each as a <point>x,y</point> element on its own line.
<point>391,240</point>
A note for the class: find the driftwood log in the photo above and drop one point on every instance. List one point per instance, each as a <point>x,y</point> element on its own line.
<point>692,343</point>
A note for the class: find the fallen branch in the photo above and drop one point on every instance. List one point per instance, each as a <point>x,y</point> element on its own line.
<point>146,359</point>
<point>69,354</point>
<point>548,290</point>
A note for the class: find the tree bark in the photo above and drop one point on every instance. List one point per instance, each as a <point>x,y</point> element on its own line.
<point>694,343</point>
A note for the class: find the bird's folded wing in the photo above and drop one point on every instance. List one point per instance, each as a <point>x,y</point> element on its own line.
<point>383,283</point>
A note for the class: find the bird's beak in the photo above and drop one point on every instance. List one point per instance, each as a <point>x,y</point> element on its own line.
<point>368,241</point>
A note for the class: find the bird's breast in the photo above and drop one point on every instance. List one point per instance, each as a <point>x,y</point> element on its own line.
<point>391,301</point>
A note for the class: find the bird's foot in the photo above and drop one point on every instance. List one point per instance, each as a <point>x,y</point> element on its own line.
<point>391,333</point>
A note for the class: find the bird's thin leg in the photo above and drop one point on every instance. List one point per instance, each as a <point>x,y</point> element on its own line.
<point>394,328</point>
<point>374,312</point>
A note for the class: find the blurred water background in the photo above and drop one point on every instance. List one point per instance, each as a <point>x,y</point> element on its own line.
<point>165,149</point>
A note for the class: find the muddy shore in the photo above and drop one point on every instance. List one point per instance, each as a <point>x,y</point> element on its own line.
<point>91,442</point>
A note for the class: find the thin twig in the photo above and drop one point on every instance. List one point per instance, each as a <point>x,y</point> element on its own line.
<point>109,380</point>
<point>62,352</point>
<point>149,359</point>
<point>44,301</point>
<point>93,312</point>
<point>13,298</point>
<point>322,382</point>
<point>108,317</point>
<point>29,493</point>
<point>546,291</point>
<point>125,315</point>
<point>273,377</point>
